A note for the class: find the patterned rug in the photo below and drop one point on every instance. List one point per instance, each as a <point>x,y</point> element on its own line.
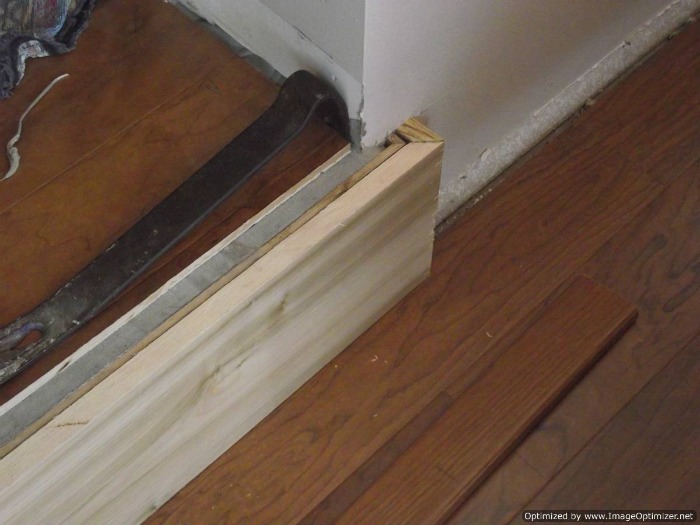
<point>37,28</point>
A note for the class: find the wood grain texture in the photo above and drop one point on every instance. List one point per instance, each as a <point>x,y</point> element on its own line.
<point>167,413</point>
<point>331,508</point>
<point>652,114</point>
<point>652,261</point>
<point>93,164</point>
<point>414,130</point>
<point>106,352</point>
<point>484,424</point>
<point>506,256</point>
<point>647,456</point>
<point>135,57</point>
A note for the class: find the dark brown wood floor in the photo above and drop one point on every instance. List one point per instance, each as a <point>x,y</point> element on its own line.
<point>616,196</point>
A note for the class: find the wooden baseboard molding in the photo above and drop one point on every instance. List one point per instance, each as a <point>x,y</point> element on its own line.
<point>126,446</point>
<point>33,407</point>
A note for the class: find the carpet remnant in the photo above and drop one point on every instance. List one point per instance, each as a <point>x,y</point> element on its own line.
<point>37,28</point>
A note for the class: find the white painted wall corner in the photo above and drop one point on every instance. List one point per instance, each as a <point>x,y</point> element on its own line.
<point>512,146</point>
<point>493,78</point>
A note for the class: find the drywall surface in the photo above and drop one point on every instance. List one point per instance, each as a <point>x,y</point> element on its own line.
<point>494,77</point>
<point>289,48</point>
<point>335,26</point>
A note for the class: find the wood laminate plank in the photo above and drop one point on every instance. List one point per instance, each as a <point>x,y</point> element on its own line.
<point>653,261</point>
<point>484,424</point>
<point>143,109</point>
<point>178,404</point>
<point>646,457</point>
<point>653,114</point>
<point>331,508</point>
<point>351,489</point>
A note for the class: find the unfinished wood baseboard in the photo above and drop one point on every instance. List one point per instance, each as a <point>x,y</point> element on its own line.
<point>70,379</point>
<point>103,354</point>
<point>126,446</point>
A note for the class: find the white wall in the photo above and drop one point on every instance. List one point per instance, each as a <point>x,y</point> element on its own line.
<point>335,26</point>
<point>492,76</point>
<point>487,60</point>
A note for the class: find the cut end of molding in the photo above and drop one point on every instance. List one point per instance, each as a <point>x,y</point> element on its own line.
<point>415,131</point>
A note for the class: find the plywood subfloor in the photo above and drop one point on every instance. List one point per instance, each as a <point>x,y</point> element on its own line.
<point>615,195</point>
<point>150,98</point>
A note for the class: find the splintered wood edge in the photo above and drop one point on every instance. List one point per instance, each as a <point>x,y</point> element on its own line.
<point>393,145</point>
<point>396,208</point>
<point>415,131</point>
